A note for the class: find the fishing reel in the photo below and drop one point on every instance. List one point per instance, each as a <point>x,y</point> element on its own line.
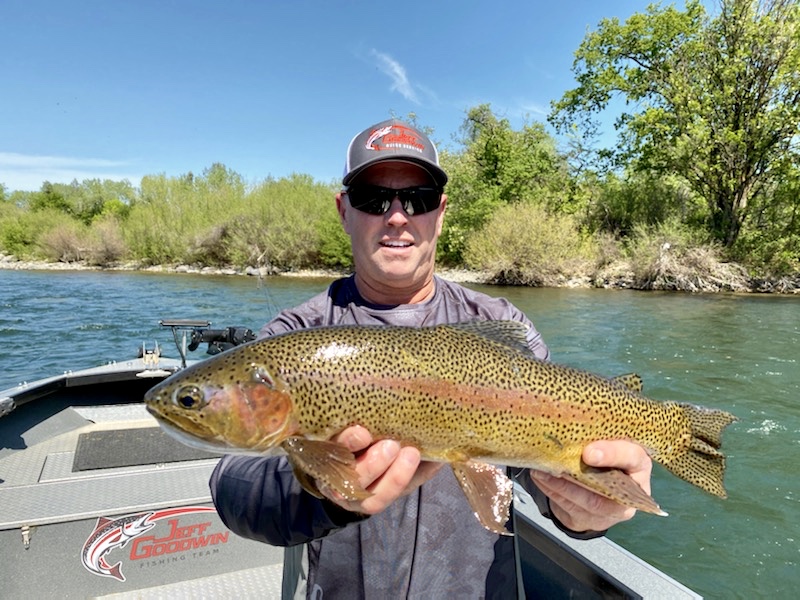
<point>219,340</point>
<point>198,332</point>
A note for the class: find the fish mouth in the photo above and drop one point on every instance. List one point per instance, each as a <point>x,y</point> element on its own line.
<point>207,442</point>
<point>198,440</point>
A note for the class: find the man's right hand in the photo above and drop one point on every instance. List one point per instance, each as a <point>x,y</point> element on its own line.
<point>385,468</point>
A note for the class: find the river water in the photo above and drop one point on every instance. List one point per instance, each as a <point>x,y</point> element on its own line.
<point>737,353</point>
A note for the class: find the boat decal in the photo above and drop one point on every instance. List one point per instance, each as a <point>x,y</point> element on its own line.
<point>110,534</point>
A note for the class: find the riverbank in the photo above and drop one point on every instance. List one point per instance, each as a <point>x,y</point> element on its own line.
<point>615,276</point>
<point>8,262</point>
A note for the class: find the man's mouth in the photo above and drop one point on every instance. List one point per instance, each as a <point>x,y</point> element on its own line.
<point>396,244</point>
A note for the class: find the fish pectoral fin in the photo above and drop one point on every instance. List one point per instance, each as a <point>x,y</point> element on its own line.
<point>488,491</point>
<point>328,463</point>
<point>615,485</point>
<point>306,481</point>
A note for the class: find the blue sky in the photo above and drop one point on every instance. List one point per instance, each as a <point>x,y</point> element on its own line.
<point>120,89</point>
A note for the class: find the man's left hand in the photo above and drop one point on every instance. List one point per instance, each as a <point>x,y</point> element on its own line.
<point>582,510</point>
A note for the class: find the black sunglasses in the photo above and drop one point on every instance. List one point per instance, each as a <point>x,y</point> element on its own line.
<point>376,200</point>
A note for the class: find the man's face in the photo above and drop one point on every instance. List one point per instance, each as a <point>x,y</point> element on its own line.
<point>394,253</point>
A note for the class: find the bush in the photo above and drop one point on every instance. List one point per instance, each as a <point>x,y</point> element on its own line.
<point>66,242</point>
<point>335,251</point>
<point>21,231</point>
<point>672,257</point>
<point>107,245</point>
<point>523,244</point>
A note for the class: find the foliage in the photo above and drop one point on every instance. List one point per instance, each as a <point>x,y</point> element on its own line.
<point>106,243</point>
<point>771,242</point>
<point>498,166</point>
<point>715,101</point>
<point>280,229</point>
<point>334,250</point>
<point>66,242</point>
<point>22,231</point>
<point>525,244</point>
<point>672,257</point>
<point>620,204</point>
<point>84,201</point>
<point>214,219</point>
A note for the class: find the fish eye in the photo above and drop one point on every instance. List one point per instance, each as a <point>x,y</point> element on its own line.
<point>191,397</point>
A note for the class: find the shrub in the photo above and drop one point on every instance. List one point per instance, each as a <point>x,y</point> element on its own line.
<point>21,231</point>
<point>66,242</point>
<point>672,257</point>
<point>107,245</point>
<point>334,244</point>
<point>523,244</point>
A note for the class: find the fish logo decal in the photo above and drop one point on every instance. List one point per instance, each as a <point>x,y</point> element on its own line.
<point>110,534</point>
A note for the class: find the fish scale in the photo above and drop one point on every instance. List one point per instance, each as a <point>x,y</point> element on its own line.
<point>466,394</point>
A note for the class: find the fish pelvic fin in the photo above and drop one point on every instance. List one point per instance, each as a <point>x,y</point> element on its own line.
<point>488,491</point>
<point>615,485</point>
<point>702,464</point>
<point>328,463</point>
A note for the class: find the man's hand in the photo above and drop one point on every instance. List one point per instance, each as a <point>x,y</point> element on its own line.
<point>385,468</point>
<point>582,510</point>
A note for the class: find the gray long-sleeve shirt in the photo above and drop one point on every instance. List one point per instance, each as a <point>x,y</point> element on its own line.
<point>427,544</point>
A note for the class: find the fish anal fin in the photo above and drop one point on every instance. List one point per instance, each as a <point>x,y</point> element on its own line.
<point>328,463</point>
<point>615,485</point>
<point>631,381</point>
<point>488,491</point>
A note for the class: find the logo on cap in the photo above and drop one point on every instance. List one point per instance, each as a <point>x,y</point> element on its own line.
<point>393,137</point>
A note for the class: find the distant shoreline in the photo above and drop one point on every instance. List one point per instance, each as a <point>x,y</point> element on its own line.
<point>9,263</point>
<point>620,280</point>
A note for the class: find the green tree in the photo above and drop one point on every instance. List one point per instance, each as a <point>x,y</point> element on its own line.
<point>496,166</point>
<point>714,100</point>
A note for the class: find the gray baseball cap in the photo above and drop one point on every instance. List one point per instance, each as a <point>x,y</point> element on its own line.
<point>396,141</point>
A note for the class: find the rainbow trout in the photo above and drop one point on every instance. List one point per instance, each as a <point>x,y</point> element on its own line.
<point>471,395</point>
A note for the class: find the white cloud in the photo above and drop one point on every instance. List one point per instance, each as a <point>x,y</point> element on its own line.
<point>397,73</point>
<point>25,172</point>
<point>534,109</point>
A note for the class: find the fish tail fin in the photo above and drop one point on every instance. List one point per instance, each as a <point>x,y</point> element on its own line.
<point>702,464</point>
<point>116,572</point>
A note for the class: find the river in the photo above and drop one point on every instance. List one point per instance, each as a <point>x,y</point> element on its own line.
<point>738,353</point>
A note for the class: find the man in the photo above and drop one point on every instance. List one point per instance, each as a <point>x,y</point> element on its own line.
<point>416,536</point>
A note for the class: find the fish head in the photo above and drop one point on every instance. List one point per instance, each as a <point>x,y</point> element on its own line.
<point>223,406</point>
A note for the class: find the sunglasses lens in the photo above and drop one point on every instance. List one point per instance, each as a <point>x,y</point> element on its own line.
<point>376,200</point>
<point>420,200</point>
<point>369,199</point>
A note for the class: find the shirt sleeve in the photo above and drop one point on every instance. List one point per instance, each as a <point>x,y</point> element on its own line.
<point>260,499</point>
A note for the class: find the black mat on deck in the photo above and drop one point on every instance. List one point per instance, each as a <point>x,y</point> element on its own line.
<point>130,447</point>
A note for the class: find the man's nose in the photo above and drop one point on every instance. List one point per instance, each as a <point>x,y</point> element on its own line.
<point>396,214</point>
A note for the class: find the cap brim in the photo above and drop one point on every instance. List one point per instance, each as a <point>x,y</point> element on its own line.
<point>436,172</point>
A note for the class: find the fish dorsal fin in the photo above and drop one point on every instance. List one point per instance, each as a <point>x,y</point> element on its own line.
<point>631,381</point>
<point>512,334</point>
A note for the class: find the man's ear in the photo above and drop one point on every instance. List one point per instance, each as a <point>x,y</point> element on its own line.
<point>342,209</point>
<point>440,218</point>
